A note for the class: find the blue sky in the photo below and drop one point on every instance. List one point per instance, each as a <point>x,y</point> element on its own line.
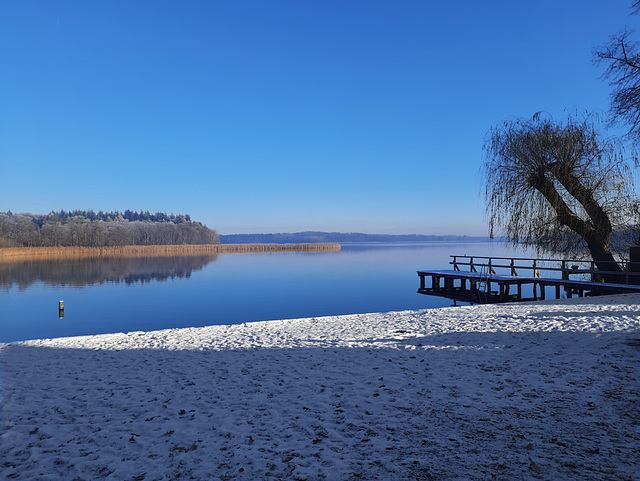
<point>283,115</point>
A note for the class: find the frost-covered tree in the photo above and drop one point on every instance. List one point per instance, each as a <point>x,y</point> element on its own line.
<point>88,229</point>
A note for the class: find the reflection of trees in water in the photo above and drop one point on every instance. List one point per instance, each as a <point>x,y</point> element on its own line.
<point>90,271</point>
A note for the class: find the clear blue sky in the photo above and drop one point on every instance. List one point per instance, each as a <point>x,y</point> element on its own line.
<point>283,115</point>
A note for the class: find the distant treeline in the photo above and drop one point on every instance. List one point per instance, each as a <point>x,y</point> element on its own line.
<point>101,229</point>
<point>338,237</point>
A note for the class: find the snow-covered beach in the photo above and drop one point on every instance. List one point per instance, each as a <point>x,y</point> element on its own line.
<point>545,390</point>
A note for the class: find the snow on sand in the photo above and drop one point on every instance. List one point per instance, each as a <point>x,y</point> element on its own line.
<point>541,390</point>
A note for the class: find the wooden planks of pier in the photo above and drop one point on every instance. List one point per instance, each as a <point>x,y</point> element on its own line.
<point>482,283</point>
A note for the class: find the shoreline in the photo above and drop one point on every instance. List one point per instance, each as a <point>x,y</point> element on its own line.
<point>17,254</point>
<point>538,390</point>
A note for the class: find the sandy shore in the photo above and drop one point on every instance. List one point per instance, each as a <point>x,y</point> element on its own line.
<point>544,390</point>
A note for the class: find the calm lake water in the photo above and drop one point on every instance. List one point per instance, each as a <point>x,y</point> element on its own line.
<point>141,294</point>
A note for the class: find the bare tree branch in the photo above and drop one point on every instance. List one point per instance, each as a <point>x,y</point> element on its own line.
<point>622,57</point>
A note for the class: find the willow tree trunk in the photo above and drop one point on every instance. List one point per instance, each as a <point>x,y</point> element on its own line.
<point>596,233</point>
<point>604,260</point>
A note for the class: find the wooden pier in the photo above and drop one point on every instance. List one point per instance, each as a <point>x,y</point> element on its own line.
<point>491,280</point>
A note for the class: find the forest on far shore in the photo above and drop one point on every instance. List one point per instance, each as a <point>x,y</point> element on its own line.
<point>102,229</point>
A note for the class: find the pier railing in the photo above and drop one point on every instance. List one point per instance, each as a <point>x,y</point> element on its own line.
<point>566,269</point>
<point>481,279</point>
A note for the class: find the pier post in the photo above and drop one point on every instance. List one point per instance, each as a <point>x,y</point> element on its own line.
<point>634,265</point>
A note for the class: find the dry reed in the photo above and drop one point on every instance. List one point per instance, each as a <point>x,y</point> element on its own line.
<point>12,254</point>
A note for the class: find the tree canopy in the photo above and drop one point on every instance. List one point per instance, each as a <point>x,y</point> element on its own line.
<point>101,229</point>
<point>559,186</point>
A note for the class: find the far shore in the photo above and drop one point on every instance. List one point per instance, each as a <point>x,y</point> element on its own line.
<point>13,254</point>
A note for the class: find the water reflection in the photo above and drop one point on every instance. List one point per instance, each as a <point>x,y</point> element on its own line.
<point>144,294</point>
<point>92,271</point>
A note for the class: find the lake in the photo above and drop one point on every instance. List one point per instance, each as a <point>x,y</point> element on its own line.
<point>150,293</point>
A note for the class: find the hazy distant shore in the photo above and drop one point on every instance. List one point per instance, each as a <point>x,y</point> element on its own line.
<point>341,237</point>
<point>12,254</point>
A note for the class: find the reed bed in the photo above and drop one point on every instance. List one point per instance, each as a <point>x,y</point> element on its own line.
<point>12,254</point>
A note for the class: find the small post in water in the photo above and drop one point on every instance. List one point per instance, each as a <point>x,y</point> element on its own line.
<point>61,309</point>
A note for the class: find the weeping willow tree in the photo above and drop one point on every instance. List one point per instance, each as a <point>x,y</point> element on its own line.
<point>559,187</point>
